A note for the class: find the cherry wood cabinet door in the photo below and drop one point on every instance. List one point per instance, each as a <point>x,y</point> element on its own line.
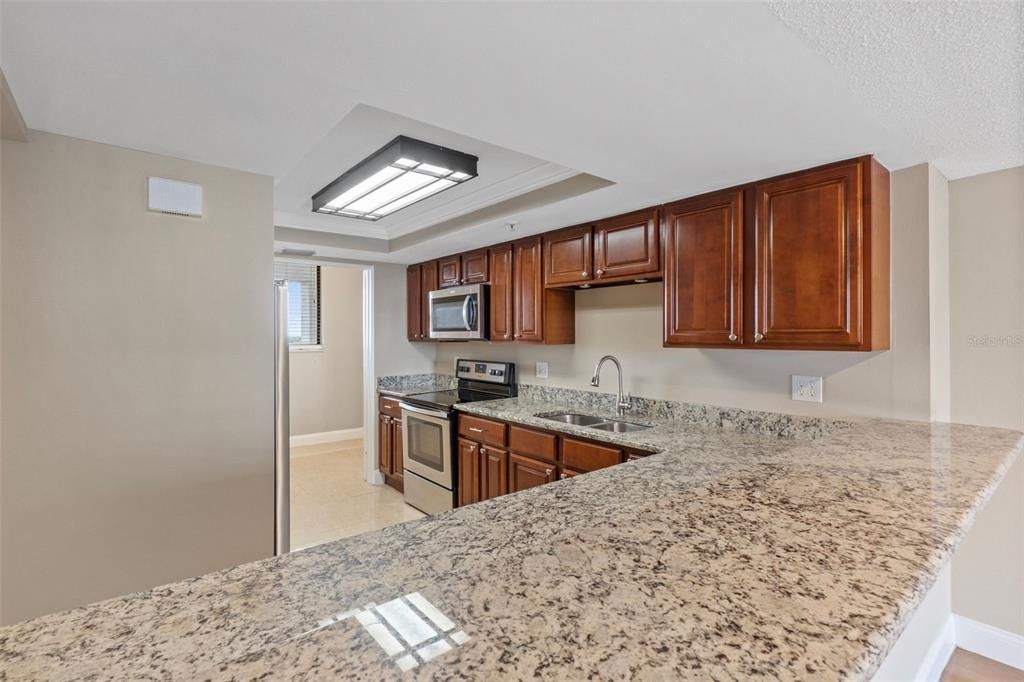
<point>397,449</point>
<point>502,301</point>
<point>384,443</point>
<point>568,256</point>
<point>528,310</point>
<point>628,246</point>
<point>429,281</point>
<point>525,472</point>
<point>469,472</point>
<point>494,473</point>
<point>475,267</point>
<point>703,293</point>
<point>414,303</point>
<point>808,233</point>
<point>450,271</point>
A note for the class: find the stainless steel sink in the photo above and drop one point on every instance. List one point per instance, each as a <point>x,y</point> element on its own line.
<point>573,418</point>
<point>620,427</point>
<point>600,423</point>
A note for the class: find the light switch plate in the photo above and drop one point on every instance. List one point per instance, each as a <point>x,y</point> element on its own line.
<point>808,389</point>
<point>542,370</point>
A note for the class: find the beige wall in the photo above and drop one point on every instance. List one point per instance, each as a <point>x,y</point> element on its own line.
<point>393,354</point>
<point>327,385</point>
<point>626,322</point>
<point>138,371</point>
<point>987,360</point>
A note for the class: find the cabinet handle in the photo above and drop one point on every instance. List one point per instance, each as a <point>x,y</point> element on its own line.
<point>483,450</point>
<point>547,472</point>
<point>600,272</point>
<point>475,430</point>
<point>732,337</point>
<point>563,476</point>
<point>584,274</point>
<point>758,336</point>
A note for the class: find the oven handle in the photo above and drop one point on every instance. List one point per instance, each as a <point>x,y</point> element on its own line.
<point>420,410</point>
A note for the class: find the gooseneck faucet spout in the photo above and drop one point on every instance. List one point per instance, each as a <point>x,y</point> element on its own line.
<point>624,401</point>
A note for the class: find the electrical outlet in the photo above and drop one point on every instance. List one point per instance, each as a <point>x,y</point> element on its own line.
<point>542,370</point>
<point>808,389</point>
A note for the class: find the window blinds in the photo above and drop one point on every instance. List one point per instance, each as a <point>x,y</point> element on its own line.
<point>303,283</point>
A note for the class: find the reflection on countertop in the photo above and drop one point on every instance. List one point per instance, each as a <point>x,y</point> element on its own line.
<point>736,552</point>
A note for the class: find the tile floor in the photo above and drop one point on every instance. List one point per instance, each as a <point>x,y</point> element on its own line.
<point>330,499</point>
<point>965,666</point>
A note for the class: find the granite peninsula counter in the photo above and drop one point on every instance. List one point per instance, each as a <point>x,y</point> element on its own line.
<point>735,553</point>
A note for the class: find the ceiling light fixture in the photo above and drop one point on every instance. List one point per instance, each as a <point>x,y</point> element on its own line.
<point>395,176</point>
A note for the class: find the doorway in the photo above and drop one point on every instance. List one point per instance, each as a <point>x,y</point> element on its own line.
<point>335,488</point>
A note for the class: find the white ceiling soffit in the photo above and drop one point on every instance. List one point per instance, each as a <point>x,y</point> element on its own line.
<point>948,76</point>
<point>502,175</point>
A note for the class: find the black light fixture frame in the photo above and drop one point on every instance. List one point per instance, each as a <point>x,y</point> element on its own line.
<point>400,147</point>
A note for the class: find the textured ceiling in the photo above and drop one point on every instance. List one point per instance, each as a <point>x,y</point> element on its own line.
<point>662,100</point>
<point>949,76</point>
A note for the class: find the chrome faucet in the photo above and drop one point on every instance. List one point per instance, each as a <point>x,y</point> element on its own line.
<point>624,401</point>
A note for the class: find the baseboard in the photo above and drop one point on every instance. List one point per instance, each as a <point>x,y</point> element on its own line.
<point>990,642</point>
<point>939,653</point>
<point>325,437</point>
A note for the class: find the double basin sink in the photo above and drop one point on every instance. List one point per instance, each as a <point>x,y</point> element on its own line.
<point>590,421</point>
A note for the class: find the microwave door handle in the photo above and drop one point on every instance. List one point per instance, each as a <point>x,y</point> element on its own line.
<point>466,303</point>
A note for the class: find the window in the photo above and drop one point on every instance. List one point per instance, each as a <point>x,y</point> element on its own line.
<point>303,301</point>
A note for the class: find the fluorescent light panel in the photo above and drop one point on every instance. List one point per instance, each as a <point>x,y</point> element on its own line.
<point>398,175</point>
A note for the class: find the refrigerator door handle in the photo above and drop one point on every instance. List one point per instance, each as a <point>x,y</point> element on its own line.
<point>282,493</point>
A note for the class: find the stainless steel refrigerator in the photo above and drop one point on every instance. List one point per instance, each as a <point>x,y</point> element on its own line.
<point>282,495</point>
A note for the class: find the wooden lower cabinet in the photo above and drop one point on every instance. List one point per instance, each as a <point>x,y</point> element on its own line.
<point>526,472</point>
<point>390,449</point>
<point>495,458</point>
<point>494,472</point>
<point>469,472</point>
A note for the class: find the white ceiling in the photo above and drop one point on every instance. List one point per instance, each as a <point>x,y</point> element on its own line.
<point>663,100</point>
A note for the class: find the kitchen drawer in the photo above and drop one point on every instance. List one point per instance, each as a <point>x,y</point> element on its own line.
<point>534,443</point>
<point>482,430</point>
<point>390,407</point>
<point>584,456</point>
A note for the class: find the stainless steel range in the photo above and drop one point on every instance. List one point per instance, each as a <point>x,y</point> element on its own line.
<point>428,431</point>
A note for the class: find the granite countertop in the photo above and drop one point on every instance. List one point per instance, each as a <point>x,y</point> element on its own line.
<point>409,384</point>
<point>735,553</point>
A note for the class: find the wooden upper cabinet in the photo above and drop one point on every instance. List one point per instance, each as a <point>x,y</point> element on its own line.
<point>528,317</point>
<point>568,256</point>
<point>821,262</point>
<point>450,271</point>
<point>414,303</point>
<point>703,293</point>
<point>502,301</point>
<point>475,268</point>
<point>628,246</point>
<point>526,472</point>
<point>539,315</point>
<point>429,281</point>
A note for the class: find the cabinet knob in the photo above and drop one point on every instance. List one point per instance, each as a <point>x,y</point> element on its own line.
<point>483,450</point>
<point>584,274</point>
<point>732,337</point>
<point>600,272</point>
<point>758,336</point>
<point>563,476</point>
<point>516,336</point>
<point>547,472</point>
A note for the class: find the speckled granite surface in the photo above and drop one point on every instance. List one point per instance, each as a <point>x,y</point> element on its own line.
<point>408,384</point>
<point>730,555</point>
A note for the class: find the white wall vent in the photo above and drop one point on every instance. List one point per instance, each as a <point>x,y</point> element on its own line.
<point>175,197</point>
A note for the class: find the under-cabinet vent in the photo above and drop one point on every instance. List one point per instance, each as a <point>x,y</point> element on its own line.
<point>175,197</point>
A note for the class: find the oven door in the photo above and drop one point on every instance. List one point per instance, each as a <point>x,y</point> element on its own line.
<point>459,312</point>
<point>427,444</point>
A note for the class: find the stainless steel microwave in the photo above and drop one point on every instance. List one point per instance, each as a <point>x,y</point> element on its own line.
<point>459,313</point>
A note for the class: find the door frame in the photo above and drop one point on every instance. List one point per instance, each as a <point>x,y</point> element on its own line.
<point>370,472</point>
